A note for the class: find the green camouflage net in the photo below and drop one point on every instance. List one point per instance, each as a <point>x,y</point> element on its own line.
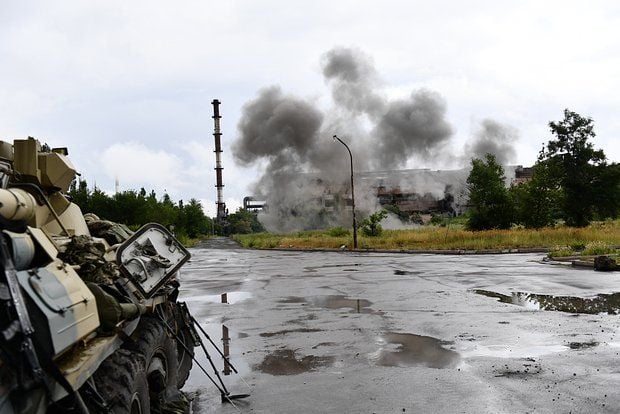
<point>89,255</point>
<point>113,233</point>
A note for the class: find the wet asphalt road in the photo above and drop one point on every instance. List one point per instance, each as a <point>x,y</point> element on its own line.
<point>391,333</point>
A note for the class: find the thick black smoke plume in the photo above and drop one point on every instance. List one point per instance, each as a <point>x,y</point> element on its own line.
<point>493,138</point>
<point>353,80</point>
<point>303,164</point>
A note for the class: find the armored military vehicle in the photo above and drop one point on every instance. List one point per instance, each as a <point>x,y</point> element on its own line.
<point>89,317</point>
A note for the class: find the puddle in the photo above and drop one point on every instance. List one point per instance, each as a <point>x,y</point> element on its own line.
<point>602,303</point>
<point>335,302</point>
<point>524,350</point>
<point>405,349</point>
<point>287,362</point>
<point>229,297</point>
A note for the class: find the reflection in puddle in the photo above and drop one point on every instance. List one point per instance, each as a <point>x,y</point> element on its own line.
<point>600,304</point>
<point>222,337</point>
<point>405,349</point>
<point>229,297</point>
<point>523,350</point>
<point>335,302</point>
<point>287,362</point>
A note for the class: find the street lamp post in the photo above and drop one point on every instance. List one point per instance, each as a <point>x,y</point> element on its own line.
<point>352,193</point>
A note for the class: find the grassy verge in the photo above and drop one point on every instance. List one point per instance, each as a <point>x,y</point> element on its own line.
<point>585,252</point>
<point>446,238</point>
<point>190,242</point>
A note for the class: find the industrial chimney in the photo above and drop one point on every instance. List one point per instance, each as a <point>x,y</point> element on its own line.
<point>221,206</point>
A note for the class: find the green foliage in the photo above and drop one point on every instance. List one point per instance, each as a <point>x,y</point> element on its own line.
<point>561,251</point>
<point>370,225</point>
<point>606,184</point>
<point>579,170</point>
<point>192,218</point>
<point>437,220</point>
<point>136,208</point>
<point>535,202</point>
<point>244,222</point>
<point>596,248</point>
<point>491,207</point>
<point>404,217</point>
<point>338,232</point>
<point>592,248</point>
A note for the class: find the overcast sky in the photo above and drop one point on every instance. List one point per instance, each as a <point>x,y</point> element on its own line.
<point>128,85</point>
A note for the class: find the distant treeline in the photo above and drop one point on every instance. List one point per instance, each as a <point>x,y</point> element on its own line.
<point>136,208</point>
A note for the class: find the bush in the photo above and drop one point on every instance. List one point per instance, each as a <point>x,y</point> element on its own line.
<point>561,251</point>
<point>597,248</point>
<point>370,225</point>
<point>338,232</point>
<point>437,220</point>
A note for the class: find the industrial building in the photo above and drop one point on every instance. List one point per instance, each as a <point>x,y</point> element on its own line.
<point>418,193</point>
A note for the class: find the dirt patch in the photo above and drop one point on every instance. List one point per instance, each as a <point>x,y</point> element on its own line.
<point>582,345</point>
<point>407,272</point>
<point>323,344</point>
<point>288,331</point>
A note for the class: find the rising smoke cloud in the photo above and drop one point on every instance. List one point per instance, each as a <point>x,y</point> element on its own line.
<point>413,126</point>
<point>354,81</point>
<point>280,128</point>
<point>292,137</point>
<point>493,138</point>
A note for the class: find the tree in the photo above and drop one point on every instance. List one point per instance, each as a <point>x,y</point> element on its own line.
<point>575,164</point>
<point>371,225</point>
<point>491,207</point>
<point>79,193</point>
<point>607,191</point>
<point>193,220</point>
<point>536,201</point>
<point>243,221</point>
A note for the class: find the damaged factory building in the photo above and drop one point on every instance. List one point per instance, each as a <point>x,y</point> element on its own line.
<point>413,196</point>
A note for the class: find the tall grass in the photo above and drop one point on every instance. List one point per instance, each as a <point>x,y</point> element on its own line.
<point>445,238</point>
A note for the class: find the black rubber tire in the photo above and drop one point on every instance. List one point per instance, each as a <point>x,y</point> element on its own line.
<point>185,358</point>
<point>152,341</point>
<point>121,381</point>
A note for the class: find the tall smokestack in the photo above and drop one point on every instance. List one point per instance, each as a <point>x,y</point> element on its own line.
<point>221,206</point>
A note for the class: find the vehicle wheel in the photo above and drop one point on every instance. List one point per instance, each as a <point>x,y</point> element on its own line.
<point>121,382</point>
<point>185,353</point>
<point>152,341</point>
<point>185,358</point>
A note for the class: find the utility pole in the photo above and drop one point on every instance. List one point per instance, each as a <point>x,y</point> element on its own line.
<point>352,192</point>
